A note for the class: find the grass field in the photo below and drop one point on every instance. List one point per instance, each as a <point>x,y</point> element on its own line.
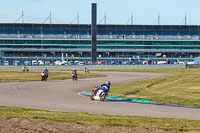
<point>101,119</point>
<point>181,87</point>
<point>17,76</point>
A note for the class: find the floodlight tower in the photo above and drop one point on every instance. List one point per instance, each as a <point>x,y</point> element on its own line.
<point>94,32</point>
<point>185,18</point>
<point>159,18</point>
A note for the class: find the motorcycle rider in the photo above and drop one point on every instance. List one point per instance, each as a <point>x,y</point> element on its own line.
<point>74,74</point>
<point>25,69</point>
<point>46,71</point>
<point>86,70</point>
<point>105,87</point>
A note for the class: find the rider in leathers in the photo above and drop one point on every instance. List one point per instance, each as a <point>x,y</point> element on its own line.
<point>105,87</point>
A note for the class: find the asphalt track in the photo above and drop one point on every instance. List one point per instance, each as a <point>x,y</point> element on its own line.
<point>63,95</point>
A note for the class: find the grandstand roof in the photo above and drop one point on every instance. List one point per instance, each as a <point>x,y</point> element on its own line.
<point>34,26</point>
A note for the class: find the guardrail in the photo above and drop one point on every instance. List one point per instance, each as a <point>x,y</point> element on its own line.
<point>192,66</point>
<point>97,67</point>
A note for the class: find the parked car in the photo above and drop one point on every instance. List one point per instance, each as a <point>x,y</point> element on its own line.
<point>81,63</point>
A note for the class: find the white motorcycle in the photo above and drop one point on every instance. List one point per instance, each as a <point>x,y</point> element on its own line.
<point>98,93</point>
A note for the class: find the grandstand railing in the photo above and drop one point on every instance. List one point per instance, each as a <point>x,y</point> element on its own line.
<point>108,37</point>
<point>102,50</point>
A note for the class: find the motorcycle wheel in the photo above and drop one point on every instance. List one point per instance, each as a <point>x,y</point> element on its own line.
<point>102,96</point>
<point>92,97</point>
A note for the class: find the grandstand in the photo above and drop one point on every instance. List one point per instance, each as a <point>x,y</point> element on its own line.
<point>51,41</point>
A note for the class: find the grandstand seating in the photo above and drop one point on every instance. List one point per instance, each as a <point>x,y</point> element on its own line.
<point>110,32</point>
<point>101,36</point>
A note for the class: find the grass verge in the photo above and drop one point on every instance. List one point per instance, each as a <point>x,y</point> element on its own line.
<point>17,76</point>
<point>181,87</point>
<point>101,119</point>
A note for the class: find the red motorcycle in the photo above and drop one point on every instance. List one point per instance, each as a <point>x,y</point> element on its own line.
<point>43,77</point>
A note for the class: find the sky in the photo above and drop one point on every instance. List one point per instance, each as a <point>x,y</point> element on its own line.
<point>172,12</point>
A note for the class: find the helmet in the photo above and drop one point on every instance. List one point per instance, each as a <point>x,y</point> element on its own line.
<point>108,83</point>
<point>74,69</point>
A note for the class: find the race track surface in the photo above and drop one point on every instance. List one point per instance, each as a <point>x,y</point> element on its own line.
<point>62,95</point>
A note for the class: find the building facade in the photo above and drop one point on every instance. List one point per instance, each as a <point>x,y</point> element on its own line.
<point>113,41</point>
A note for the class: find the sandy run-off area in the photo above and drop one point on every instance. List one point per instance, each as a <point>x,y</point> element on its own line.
<point>15,125</point>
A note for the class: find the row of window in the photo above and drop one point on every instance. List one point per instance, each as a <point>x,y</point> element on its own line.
<point>101,32</point>
<point>98,47</point>
<point>100,42</point>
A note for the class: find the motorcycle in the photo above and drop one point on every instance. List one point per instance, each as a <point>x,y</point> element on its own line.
<point>98,93</point>
<point>43,77</point>
<point>86,71</point>
<point>25,69</point>
<point>74,77</point>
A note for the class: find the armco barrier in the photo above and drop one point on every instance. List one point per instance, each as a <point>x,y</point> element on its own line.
<point>98,67</point>
<point>192,66</point>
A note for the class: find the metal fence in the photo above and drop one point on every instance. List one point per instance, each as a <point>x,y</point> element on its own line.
<point>98,67</point>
